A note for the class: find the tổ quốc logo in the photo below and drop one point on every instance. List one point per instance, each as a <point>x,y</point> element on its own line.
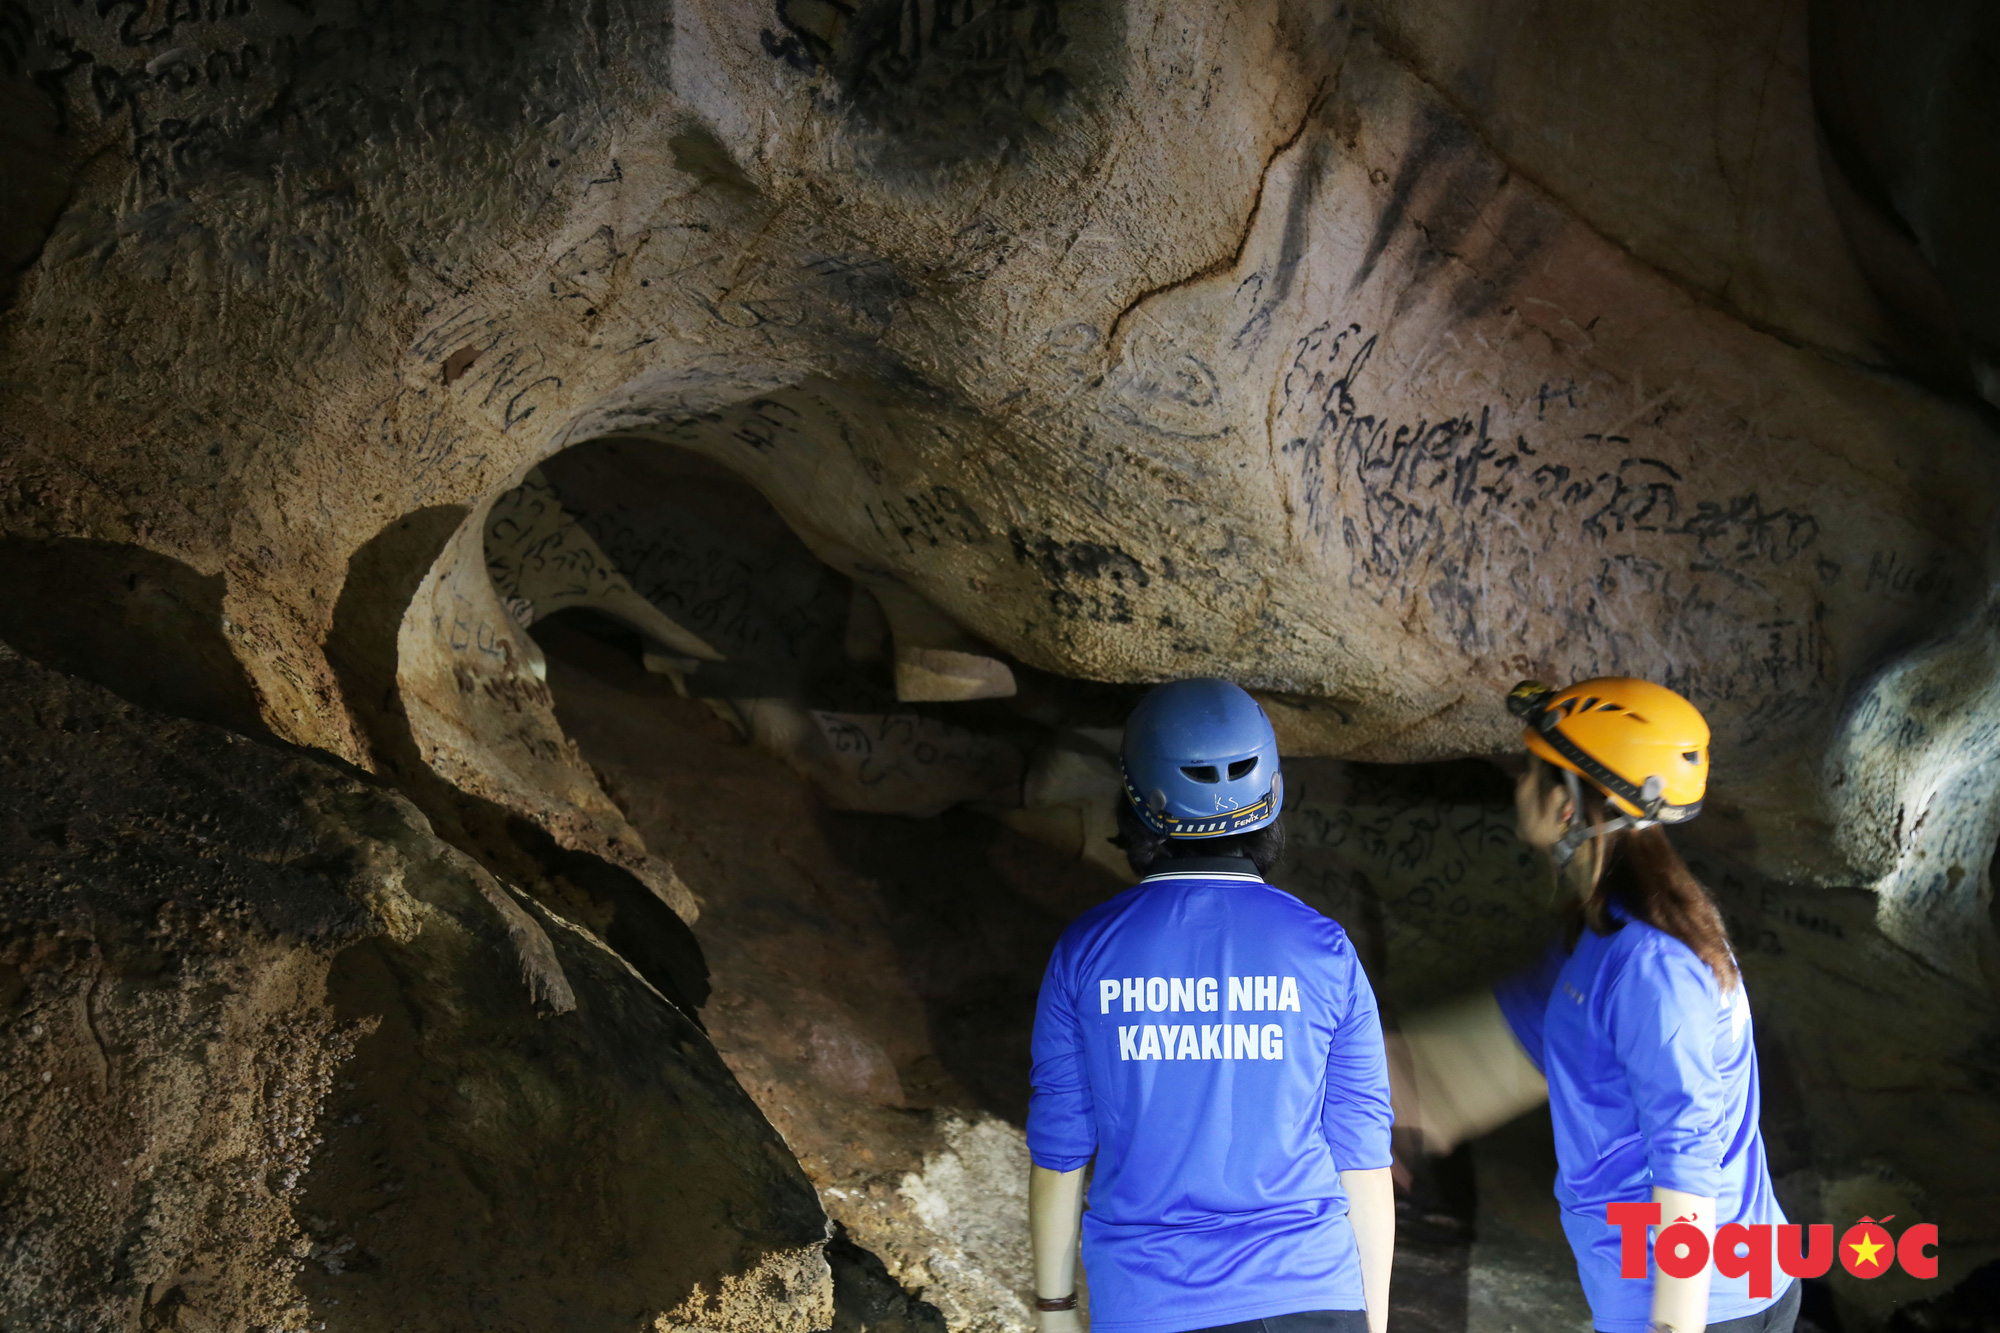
<point>1681,1249</point>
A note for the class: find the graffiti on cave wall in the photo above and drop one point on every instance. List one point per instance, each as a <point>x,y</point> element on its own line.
<point>1626,562</point>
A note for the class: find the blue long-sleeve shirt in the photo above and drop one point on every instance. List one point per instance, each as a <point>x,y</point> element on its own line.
<point>1215,1044</point>
<point>1652,1074</point>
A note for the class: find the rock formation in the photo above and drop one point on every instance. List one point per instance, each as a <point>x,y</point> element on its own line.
<point>278,1057</point>
<point>567,501</point>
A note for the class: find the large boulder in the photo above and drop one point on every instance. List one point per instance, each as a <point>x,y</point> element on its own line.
<point>276,1057</point>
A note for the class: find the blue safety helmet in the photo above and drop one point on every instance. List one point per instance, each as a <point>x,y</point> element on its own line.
<point>1200,761</point>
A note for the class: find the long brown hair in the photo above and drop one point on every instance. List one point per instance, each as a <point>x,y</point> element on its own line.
<point>1645,875</point>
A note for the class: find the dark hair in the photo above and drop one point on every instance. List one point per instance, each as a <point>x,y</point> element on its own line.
<point>1645,875</point>
<point>1264,847</point>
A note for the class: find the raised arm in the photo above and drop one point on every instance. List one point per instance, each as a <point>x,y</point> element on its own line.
<point>1459,1071</point>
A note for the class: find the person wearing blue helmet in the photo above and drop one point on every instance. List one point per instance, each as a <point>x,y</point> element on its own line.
<point>1212,1043</point>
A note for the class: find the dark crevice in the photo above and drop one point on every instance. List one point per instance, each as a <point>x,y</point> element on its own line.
<point>866,1299</point>
<point>383,577</point>
<point>143,625</point>
<point>643,929</point>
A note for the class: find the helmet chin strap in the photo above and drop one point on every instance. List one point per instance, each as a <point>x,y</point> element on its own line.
<point>1578,834</point>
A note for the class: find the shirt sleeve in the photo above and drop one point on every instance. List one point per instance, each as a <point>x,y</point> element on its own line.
<point>1062,1124</point>
<point>1356,1116</point>
<point>1661,1013</point>
<point>1524,1001</point>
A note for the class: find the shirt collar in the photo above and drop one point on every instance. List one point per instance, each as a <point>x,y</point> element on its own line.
<point>1205,867</point>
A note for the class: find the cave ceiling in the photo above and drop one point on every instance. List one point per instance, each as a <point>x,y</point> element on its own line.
<point>1374,360</point>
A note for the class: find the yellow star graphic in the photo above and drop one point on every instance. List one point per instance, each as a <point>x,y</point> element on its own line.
<point>1865,1251</point>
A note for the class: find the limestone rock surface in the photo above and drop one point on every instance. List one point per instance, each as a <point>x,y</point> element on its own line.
<point>909,383</point>
<point>273,1056</point>
<point>874,977</point>
<point>1372,358</point>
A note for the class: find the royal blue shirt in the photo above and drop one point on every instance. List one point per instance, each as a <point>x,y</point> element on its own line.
<point>1652,1076</point>
<point>1214,1043</point>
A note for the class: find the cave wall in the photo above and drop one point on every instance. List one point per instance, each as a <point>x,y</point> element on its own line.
<point>1374,356</point>
<point>1282,345</point>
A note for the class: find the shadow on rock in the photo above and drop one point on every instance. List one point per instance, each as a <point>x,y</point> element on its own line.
<point>143,625</point>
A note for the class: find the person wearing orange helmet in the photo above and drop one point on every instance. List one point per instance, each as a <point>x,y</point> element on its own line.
<point>1635,1026</point>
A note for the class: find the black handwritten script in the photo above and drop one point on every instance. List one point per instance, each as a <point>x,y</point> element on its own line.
<point>1085,580</point>
<point>1759,915</point>
<point>484,363</point>
<point>867,286</point>
<point>201,88</point>
<point>1893,572</point>
<point>1614,563</point>
<point>536,553</point>
<point>1167,390</point>
<point>1774,919</point>
<point>889,760</point>
<point>946,80</point>
<point>925,518</point>
<point>859,290</point>
<point>804,423</point>
<point>584,271</point>
<point>1421,864</point>
<point>768,605</point>
<point>765,425</point>
<point>487,662</point>
<point>434,455</point>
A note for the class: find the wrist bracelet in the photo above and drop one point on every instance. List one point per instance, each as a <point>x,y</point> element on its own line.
<point>1050,1304</point>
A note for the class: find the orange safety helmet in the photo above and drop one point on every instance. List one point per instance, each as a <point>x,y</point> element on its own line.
<point>1642,745</point>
